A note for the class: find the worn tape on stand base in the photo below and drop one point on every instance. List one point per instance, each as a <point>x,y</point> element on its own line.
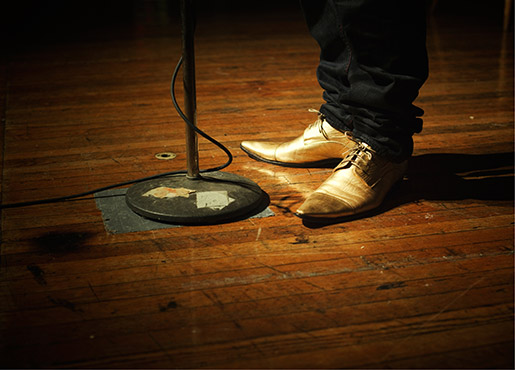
<point>214,197</point>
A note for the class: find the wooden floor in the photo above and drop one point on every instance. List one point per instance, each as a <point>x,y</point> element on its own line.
<point>427,282</point>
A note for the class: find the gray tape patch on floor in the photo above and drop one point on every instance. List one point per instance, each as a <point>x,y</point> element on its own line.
<point>119,218</point>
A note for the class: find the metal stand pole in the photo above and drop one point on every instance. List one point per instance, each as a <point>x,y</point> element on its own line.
<point>188,68</point>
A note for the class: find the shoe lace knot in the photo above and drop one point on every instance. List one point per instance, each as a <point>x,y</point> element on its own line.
<point>359,156</point>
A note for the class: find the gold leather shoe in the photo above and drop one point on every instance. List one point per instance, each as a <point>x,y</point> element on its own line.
<point>358,184</point>
<point>320,144</point>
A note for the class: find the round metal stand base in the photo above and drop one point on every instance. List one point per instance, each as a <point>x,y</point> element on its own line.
<point>215,197</point>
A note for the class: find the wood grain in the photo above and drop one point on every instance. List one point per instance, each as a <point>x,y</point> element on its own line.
<point>425,282</point>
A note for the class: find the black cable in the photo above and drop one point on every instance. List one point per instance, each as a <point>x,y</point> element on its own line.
<point>195,128</point>
<point>130,182</point>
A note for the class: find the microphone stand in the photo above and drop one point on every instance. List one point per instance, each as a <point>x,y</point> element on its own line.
<point>195,198</point>
<point>190,103</point>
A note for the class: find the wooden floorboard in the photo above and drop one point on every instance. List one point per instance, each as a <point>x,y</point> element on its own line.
<point>424,282</point>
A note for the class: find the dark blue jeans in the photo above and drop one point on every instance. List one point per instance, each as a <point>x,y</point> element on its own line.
<point>373,61</point>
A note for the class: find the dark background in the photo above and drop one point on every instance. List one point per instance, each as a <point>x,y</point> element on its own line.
<point>31,21</point>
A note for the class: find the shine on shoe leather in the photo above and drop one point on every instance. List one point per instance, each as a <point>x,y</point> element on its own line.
<point>320,144</point>
<point>358,184</point>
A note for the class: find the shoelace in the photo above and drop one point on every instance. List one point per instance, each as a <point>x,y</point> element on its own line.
<point>319,123</point>
<point>352,155</point>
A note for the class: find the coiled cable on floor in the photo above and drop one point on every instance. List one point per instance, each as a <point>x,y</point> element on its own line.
<point>131,182</point>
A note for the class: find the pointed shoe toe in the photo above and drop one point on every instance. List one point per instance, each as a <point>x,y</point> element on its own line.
<point>321,205</point>
<point>260,150</point>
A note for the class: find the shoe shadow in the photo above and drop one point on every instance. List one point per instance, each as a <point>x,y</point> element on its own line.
<point>446,177</point>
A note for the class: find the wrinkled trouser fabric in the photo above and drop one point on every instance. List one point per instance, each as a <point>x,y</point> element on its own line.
<point>373,61</point>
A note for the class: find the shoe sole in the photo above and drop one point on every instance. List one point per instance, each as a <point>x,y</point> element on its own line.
<point>331,162</point>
